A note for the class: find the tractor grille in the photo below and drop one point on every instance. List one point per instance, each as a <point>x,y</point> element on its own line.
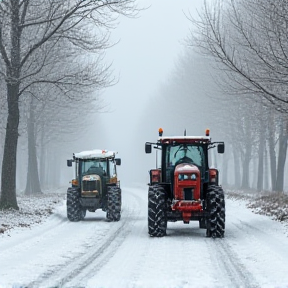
<point>188,193</point>
<point>91,185</point>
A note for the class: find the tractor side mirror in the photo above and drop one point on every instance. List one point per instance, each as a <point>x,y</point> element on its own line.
<point>221,148</point>
<point>118,161</point>
<point>148,148</point>
<point>69,163</point>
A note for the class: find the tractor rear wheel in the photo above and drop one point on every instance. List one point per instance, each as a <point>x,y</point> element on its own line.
<point>157,217</point>
<point>75,212</point>
<point>113,203</point>
<point>221,211</point>
<point>216,210</point>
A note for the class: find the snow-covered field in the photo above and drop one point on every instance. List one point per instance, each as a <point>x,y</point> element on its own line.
<point>32,210</point>
<point>273,204</point>
<point>39,247</point>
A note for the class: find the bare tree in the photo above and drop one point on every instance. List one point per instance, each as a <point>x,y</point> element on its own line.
<point>59,119</point>
<point>33,28</point>
<point>248,39</point>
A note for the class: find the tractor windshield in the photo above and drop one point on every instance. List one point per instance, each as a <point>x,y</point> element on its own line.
<point>94,166</point>
<point>185,153</point>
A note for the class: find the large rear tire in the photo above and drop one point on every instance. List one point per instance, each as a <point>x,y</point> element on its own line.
<point>113,203</point>
<point>216,209</point>
<point>75,211</point>
<point>157,215</point>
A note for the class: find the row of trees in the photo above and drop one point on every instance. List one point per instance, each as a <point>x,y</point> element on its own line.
<point>235,85</point>
<point>247,43</point>
<point>51,69</point>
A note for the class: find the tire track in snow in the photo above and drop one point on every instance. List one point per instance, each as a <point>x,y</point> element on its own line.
<point>57,221</point>
<point>228,264</point>
<point>127,264</point>
<point>89,262</point>
<point>267,239</point>
<point>267,249</point>
<point>103,259</point>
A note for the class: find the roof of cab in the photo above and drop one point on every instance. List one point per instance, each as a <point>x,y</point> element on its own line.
<point>184,139</point>
<point>95,154</point>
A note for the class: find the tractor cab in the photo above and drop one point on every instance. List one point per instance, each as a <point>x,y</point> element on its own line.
<point>183,157</point>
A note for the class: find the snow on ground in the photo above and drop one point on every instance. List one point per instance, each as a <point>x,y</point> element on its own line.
<point>272,204</point>
<point>34,209</point>
<point>95,253</point>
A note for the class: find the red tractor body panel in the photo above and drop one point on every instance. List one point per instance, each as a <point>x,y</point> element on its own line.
<point>187,176</point>
<point>187,208</point>
<point>213,175</point>
<point>187,180</point>
<point>155,175</point>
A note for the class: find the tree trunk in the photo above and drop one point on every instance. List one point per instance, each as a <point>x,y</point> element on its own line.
<point>272,153</point>
<point>253,173</point>
<point>246,153</point>
<point>267,182</point>
<point>43,158</point>
<point>8,176</point>
<point>246,167</point>
<point>245,173</point>
<point>262,144</point>
<point>237,174</point>
<point>272,164</point>
<point>33,182</point>
<point>54,165</point>
<point>283,138</point>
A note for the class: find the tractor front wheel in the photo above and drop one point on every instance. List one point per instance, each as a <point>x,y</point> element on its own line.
<point>157,216</point>
<point>75,212</point>
<point>113,203</point>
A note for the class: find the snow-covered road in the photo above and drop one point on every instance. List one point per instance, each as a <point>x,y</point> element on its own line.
<point>96,253</point>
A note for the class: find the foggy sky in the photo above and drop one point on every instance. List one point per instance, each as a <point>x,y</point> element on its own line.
<point>148,48</point>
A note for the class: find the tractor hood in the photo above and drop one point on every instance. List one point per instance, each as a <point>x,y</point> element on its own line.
<point>185,168</point>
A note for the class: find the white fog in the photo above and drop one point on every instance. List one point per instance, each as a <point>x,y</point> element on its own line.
<point>143,61</point>
<point>86,76</point>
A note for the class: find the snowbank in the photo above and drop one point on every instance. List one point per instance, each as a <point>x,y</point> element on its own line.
<point>272,204</point>
<point>32,210</point>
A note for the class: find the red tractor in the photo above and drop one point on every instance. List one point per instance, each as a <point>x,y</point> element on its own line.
<point>184,187</point>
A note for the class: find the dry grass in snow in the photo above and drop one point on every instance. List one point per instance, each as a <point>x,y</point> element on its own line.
<point>32,210</point>
<point>272,204</point>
